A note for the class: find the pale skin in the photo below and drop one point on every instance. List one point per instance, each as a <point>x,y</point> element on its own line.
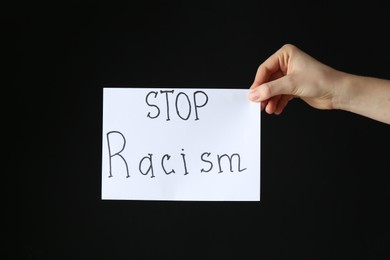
<point>290,73</point>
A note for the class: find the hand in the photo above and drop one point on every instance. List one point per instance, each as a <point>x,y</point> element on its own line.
<point>292,73</point>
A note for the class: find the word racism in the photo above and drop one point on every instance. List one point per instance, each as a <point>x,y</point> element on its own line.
<point>148,163</point>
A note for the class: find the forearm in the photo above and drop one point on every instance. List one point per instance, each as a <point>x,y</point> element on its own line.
<point>366,96</point>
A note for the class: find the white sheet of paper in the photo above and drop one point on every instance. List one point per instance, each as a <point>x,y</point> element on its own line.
<point>180,144</point>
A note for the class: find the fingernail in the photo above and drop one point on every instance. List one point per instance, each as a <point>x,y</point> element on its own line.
<point>253,95</point>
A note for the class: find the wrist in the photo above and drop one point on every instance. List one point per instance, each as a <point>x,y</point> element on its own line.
<point>343,91</point>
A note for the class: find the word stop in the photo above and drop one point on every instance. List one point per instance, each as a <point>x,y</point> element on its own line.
<point>188,105</point>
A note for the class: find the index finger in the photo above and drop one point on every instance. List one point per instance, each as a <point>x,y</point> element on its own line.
<point>276,62</point>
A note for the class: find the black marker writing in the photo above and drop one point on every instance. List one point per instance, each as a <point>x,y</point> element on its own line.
<point>196,104</point>
<point>151,105</point>
<point>146,165</point>
<point>182,101</point>
<point>189,106</point>
<point>162,164</point>
<point>110,154</point>
<point>230,161</point>
<point>150,169</point>
<point>211,164</point>
<point>184,162</point>
<point>167,100</point>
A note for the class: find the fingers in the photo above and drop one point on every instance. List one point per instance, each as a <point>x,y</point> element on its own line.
<point>263,104</point>
<point>272,104</point>
<point>282,104</point>
<point>274,95</point>
<point>282,86</point>
<point>278,62</point>
<point>273,85</point>
<point>265,71</point>
<point>277,104</point>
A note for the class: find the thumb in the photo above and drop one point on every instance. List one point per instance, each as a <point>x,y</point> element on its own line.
<point>280,86</point>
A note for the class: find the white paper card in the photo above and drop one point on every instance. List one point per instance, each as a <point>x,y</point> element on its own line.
<point>180,144</point>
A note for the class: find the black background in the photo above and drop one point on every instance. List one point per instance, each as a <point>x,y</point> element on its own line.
<point>325,174</point>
